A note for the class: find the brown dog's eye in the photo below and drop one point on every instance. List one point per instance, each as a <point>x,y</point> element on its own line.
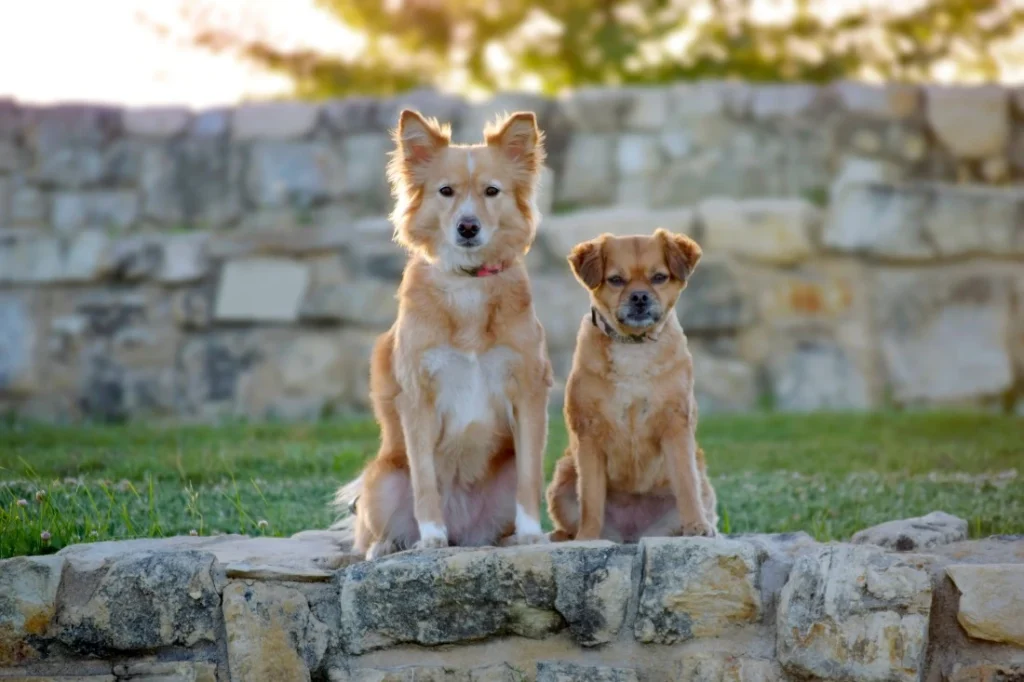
<point>492,191</point>
<point>659,278</point>
<point>446,191</point>
<point>616,281</point>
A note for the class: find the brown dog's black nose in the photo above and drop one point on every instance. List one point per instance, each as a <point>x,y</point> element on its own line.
<point>468,227</point>
<point>640,299</point>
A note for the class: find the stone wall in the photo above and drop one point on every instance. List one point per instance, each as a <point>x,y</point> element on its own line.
<point>864,245</point>
<point>763,608</point>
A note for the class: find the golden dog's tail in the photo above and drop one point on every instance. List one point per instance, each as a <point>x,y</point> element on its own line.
<point>345,501</point>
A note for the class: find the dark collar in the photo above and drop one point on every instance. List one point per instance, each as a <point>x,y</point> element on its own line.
<point>485,270</point>
<point>597,319</point>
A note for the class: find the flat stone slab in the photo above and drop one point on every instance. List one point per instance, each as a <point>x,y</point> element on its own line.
<point>310,556</point>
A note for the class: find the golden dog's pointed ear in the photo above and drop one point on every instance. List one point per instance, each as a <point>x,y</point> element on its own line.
<point>587,262</point>
<point>419,139</point>
<point>681,252</point>
<point>518,138</point>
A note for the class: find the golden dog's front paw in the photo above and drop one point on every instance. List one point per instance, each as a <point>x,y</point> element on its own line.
<point>432,536</point>
<point>432,542</point>
<point>525,539</point>
<point>699,529</point>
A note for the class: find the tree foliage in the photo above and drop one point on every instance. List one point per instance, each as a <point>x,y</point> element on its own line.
<point>495,44</point>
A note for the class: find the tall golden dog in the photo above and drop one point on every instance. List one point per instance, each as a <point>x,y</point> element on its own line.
<point>633,467</point>
<point>460,383</point>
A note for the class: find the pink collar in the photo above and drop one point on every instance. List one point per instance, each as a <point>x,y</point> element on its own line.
<point>486,270</point>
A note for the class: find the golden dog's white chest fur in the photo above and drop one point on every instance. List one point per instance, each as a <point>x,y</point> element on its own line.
<point>469,387</point>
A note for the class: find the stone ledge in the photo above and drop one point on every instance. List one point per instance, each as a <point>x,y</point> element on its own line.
<point>741,609</point>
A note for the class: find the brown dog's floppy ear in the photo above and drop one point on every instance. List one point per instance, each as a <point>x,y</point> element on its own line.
<point>419,139</point>
<point>587,262</point>
<point>519,139</point>
<point>681,252</point>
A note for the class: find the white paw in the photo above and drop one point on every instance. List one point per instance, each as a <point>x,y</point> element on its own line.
<point>432,542</point>
<point>381,549</point>
<point>525,539</point>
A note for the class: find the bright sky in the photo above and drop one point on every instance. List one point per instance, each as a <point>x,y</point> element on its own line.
<point>137,52</point>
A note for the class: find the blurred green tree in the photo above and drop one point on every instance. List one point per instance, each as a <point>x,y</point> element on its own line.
<point>500,44</point>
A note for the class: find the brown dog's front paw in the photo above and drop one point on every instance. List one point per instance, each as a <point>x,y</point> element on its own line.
<point>559,536</point>
<point>525,539</point>
<point>698,529</point>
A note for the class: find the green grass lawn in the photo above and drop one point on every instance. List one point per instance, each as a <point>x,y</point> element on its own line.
<point>827,474</point>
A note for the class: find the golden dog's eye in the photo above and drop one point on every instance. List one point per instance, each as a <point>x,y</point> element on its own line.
<point>659,278</point>
<point>616,281</point>
<point>446,191</point>
<point>492,191</point>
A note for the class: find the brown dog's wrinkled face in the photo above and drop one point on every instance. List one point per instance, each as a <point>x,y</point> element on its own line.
<point>634,281</point>
<point>466,206</point>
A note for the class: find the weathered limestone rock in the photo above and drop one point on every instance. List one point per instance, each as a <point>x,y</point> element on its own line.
<point>295,174</point>
<point>858,170</point>
<point>194,182</point>
<point>184,258</point>
<point>62,678</point>
<point>973,122</point>
<point>597,110</point>
<point>648,110</point>
<point>365,161</point>
<point>715,667</point>
<point>715,300</point>
<point>944,335</point>
<point>138,601</point>
<point>723,384</point>
<point>562,232</point>
<point>925,220</point>
<point>106,209</point>
<point>819,375</point>
<point>501,672</point>
<point>986,672</point>
<point>887,101</point>
<point>563,671</point>
<point>166,671</point>
<point>273,120</point>
<point>67,143</point>
<point>782,101</point>
<point>365,301</point>
<point>695,587</point>
<point>353,115</point>
<point>461,595</point>
<point>156,122</point>
<point>991,601</point>
<point>776,231</point>
<point>588,170</point>
<point>854,613</point>
<point>17,341</point>
<point>561,302</point>
<point>637,160</point>
<point>28,602</point>
<point>271,634</point>
<point>911,535</point>
<point>261,289</point>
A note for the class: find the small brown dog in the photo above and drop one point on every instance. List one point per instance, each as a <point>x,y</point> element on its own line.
<point>460,383</point>
<point>633,467</point>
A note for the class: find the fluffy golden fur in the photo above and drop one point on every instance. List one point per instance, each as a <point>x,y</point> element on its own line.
<point>632,468</point>
<point>460,383</point>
